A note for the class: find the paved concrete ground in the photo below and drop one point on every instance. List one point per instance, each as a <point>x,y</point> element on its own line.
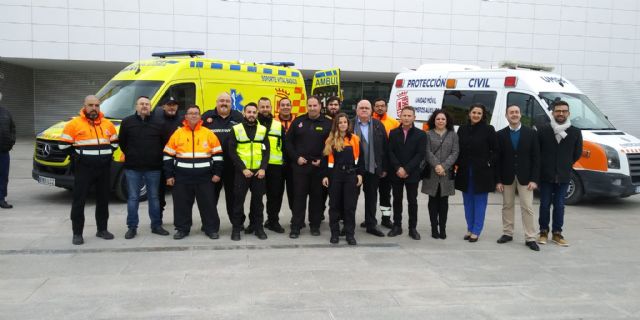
<point>43,276</point>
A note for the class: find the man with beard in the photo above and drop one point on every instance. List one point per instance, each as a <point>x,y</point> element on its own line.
<point>91,139</point>
<point>560,148</point>
<point>249,151</point>
<point>305,143</point>
<point>384,188</point>
<point>274,178</point>
<point>333,106</point>
<point>220,120</point>
<point>142,143</point>
<point>170,119</point>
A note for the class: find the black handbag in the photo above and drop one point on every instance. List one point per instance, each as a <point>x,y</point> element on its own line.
<point>426,171</point>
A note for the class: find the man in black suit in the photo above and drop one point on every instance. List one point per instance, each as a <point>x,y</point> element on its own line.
<point>373,152</point>
<point>518,169</point>
<point>407,156</point>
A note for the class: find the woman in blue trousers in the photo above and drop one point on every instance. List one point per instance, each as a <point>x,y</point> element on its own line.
<point>476,174</point>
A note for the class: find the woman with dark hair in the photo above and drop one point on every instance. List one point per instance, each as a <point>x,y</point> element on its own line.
<point>343,177</point>
<point>442,152</point>
<point>477,174</point>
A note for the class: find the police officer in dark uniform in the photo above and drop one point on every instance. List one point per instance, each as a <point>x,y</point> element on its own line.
<point>304,144</point>
<point>170,119</point>
<point>221,120</point>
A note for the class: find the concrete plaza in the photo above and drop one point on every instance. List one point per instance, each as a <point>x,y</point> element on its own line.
<point>43,276</point>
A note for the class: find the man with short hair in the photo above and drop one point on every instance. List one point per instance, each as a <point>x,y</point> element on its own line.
<point>192,163</point>
<point>333,106</point>
<point>221,120</point>
<point>7,141</point>
<point>141,141</point>
<point>384,188</point>
<point>304,144</point>
<point>373,152</point>
<point>275,176</point>
<point>407,154</point>
<point>249,151</point>
<point>170,119</point>
<point>518,170</point>
<point>285,117</point>
<point>91,139</point>
<point>560,148</point>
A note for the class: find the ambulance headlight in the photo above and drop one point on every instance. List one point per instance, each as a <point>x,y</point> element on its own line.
<point>613,159</point>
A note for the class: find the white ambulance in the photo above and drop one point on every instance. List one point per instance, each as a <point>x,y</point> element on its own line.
<point>610,162</point>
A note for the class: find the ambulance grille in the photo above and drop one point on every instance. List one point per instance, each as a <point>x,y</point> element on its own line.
<point>634,166</point>
<point>47,150</point>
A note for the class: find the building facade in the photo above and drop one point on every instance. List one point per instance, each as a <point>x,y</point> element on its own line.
<point>54,52</point>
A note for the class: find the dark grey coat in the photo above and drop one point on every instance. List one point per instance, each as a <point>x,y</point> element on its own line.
<point>446,156</point>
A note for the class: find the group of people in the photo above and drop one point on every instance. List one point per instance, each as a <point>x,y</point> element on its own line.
<point>317,156</point>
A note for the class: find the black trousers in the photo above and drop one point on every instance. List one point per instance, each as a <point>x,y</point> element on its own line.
<point>162,191</point>
<point>256,208</point>
<point>370,188</point>
<point>438,210</point>
<point>412,198</point>
<point>85,177</point>
<point>307,182</point>
<point>226,181</point>
<point>343,200</point>
<point>384,189</point>
<point>287,174</point>
<point>275,180</point>
<point>183,197</point>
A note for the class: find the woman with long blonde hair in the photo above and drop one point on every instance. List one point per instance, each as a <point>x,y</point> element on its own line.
<point>343,177</point>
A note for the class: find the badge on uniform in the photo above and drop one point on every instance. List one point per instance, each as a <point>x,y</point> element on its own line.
<point>300,125</point>
<point>209,120</point>
<point>319,128</point>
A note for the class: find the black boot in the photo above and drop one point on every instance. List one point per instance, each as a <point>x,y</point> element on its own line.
<point>443,232</point>
<point>434,232</point>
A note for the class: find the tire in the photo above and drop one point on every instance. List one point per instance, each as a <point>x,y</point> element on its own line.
<point>575,192</point>
<point>121,189</point>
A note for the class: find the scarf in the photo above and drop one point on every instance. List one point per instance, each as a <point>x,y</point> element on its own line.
<point>559,129</point>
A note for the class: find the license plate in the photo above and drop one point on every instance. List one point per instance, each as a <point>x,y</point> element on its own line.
<point>47,181</point>
<point>638,189</point>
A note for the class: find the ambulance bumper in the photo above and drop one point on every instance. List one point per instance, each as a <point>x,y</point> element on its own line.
<point>602,184</point>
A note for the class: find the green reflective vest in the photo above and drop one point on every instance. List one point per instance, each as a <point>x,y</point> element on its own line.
<point>275,142</point>
<point>250,151</point>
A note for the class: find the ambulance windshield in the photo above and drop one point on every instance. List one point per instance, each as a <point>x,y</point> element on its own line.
<point>118,97</point>
<point>584,113</point>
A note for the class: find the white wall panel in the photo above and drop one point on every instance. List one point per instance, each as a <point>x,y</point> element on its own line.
<point>87,18</point>
<point>15,31</point>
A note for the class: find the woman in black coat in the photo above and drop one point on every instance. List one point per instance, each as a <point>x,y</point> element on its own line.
<point>477,174</point>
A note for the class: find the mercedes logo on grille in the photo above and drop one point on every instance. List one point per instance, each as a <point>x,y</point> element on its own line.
<point>46,150</point>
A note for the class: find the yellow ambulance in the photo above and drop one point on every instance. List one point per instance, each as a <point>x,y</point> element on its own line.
<point>190,79</point>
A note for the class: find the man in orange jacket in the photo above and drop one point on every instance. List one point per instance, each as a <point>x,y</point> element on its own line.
<point>91,140</point>
<point>384,188</point>
<point>192,164</point>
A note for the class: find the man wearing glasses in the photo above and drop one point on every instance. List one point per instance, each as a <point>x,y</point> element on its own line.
<point>192,164</point>
<point>560,148</point>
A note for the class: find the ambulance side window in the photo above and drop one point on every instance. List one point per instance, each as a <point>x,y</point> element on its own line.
<point>457,102</point>
<point>532,112</point>
<point>184,93</point>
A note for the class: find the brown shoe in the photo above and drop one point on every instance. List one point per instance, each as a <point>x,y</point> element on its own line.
<point>544,236</point>
<point>559,239</point>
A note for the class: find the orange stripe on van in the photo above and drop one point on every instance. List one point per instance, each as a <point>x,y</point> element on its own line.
<point>593,157</point>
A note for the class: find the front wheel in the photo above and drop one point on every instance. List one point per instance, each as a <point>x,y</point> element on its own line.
<point>575,192</point>
<point>121,190</point>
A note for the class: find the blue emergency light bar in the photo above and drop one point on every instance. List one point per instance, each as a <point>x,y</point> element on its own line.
<point>280,63</point>
<point>191,53</point>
